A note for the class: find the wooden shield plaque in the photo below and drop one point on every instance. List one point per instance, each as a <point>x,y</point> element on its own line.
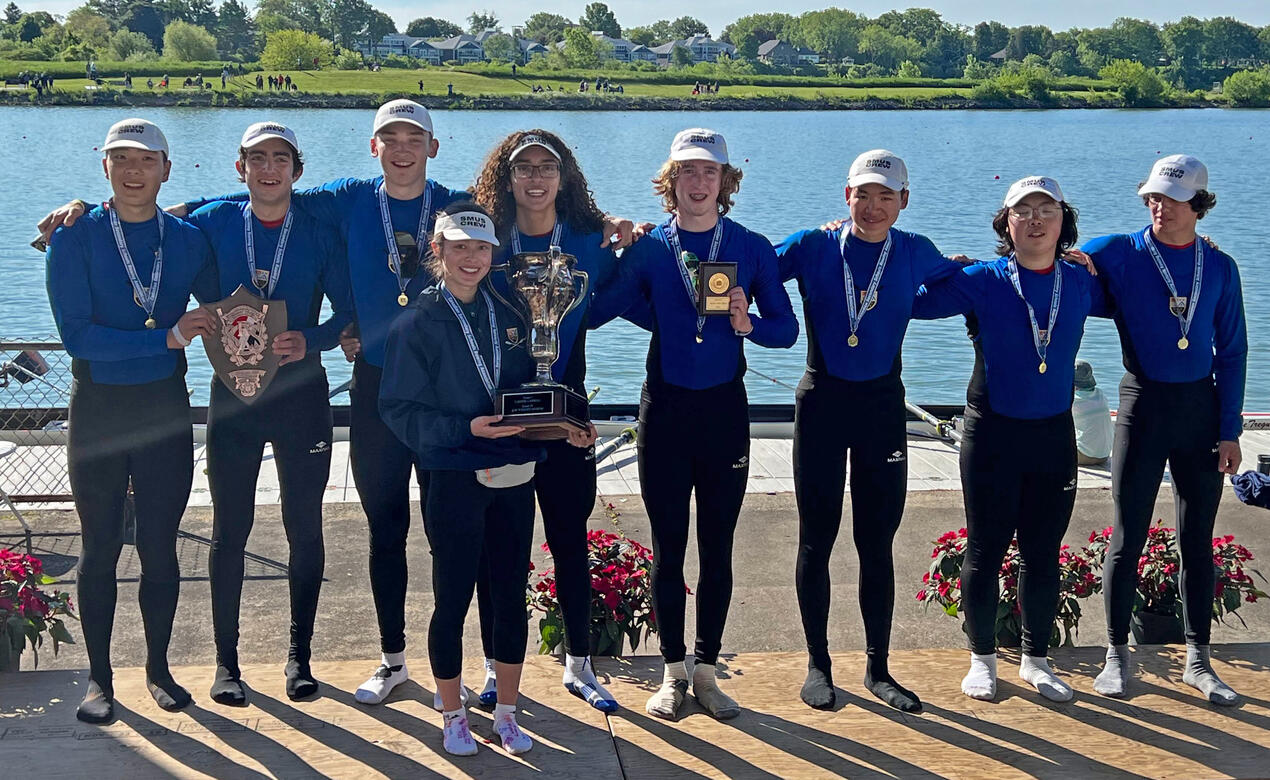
<point>241,352</point>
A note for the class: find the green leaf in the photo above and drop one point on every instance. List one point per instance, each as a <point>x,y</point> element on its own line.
<point>951,610</point>
<point>45,579</point>
<point>551,633</point>
<point>60,633</point>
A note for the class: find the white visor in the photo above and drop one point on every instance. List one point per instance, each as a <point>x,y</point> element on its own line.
<point>470,225</point>
<point>531,141</point>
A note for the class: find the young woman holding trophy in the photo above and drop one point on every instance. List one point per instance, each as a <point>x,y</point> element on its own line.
<point>532,185</point>
<point>694,414</point>
<point>445,360</point>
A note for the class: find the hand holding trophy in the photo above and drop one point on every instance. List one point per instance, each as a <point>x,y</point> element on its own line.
<point>546,284</point>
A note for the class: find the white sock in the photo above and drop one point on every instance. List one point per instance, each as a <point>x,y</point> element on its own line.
<point>391,673</point>
<point>1199,674</point>
<point>1036,671</point>
<point>981,681</point>
<point>436,697</point>
<point>668,699</point>
<point>1115,674</point>
<point>706,688</point>
<point>457,737</point>
<point>580,679</point>
<point>514,740</point>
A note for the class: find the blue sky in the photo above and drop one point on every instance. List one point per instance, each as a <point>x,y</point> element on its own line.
<point>718,13</point>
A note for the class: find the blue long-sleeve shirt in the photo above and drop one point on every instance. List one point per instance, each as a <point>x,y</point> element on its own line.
<point>1149,332</point>
<point>92,297</point>
<point>815,258</point>
<point>649,272</point>
<point>431,389</point>
<point>314,265</point>
<point>352,205</point>
<point>1006,379</point>
<point>599,264</point>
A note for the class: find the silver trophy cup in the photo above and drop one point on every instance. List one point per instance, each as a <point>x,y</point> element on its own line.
<point>548,285</point>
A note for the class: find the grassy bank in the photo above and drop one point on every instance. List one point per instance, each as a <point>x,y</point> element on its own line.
<point>496,88</point>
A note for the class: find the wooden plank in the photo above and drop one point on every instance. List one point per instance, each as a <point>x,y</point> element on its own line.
<point>329,736</point>
<point>1163,730</point>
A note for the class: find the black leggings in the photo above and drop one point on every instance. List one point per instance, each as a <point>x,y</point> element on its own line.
<point>565,485</point>
<point>1159,422</point>
<point>381,471</point>
<point>466,521</point>
<point>865,421</point>
<point>118,432</point>
<point>295,416</point>
<point>693,439</point>
<point>1018,476</point>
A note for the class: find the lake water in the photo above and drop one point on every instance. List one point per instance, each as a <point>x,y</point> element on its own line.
<point>960,165</point>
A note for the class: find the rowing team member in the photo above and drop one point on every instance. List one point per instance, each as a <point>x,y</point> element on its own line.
<point>695,180</point>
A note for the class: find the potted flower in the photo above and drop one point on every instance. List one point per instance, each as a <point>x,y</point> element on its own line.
<point>941,585</point>
<point>1157,604</point>
<point>27,613</point>
<point>621,596</point>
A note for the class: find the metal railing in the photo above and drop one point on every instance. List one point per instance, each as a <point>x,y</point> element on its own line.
<point>35,382</point>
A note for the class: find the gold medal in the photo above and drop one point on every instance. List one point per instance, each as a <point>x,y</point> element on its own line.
<point>150,323</point>
<point>699,339</point>
<point>852,340</point>
<point>1183,343</point>
<point>402,300</point>
<point>718,283</point>
<point>1042,368</point>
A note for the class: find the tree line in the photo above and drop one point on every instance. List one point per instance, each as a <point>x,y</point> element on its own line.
<point>1188,53</point>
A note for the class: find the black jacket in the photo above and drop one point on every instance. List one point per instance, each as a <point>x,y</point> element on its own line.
<point>431,389</point>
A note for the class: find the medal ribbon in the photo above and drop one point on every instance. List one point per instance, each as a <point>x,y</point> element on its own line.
<point>555,237</point>
<point>848,281</point>
<point>490,382</point>
<point>421,236</point>
<point>250,240</point>
<point>672,242</point>
<point>1183,319</point>
<point>1042,344</point>
<point>147,297</point>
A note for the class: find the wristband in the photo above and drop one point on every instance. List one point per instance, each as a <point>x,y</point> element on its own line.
<point>180,339</point>
<point>746,333</point>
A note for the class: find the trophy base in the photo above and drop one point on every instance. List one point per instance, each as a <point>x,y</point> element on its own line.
<point>544,411</point>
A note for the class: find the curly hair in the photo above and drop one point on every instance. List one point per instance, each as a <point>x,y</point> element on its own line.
<point>575,203</point>
<point>664,186</point>
<point>1066,235</point>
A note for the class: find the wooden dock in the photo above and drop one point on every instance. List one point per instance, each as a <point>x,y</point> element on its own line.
<point>1164,730</point>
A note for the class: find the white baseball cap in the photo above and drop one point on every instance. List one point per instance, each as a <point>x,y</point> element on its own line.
<point>402,111</point>
<point>1177,176</point>
<point>530,140</point>
<point>263,131</point>
<point>1024,187</point>
<point>698,143</point>
<point>879,166</point>
<point>465,224</point>
<point>135,134</point>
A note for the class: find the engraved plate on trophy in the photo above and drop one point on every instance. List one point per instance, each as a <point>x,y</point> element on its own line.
<point>241,352</point>
<point>548,285</point>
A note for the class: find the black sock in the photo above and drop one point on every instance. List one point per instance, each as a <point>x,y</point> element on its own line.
<point>300,682</point>
<point>227,687</point>
<point>880,683</point>
<point>98,705</point>
<point>818,691</point>
<point>166,692</point>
